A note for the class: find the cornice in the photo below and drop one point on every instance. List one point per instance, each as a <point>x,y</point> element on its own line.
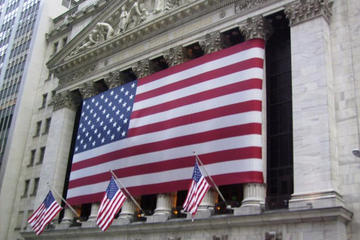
<point>303,10</point>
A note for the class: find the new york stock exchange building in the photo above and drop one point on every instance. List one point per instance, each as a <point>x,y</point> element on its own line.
<point>264,92</point>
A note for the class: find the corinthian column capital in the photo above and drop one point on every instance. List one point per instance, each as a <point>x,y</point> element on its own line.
<point>142,68</point>
<point>87,90</point>
<point>303,10</point>
<point>64,100</point>
<point>256,27</point>
<point>212,42</point>
<point>174,56</point>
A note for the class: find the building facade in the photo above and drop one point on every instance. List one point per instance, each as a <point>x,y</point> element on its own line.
<point>310,117</point>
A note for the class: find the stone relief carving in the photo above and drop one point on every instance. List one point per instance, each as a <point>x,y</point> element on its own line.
<point>303,10</point>
<point>76,75</point>
<point>244,5</point>
<point>131,14</point>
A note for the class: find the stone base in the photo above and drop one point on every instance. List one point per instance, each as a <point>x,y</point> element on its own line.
<point>158,218</point>
<point>63,225</point>
<point>202,213</point>
<point>316,200</point>
<point>89,224</point>
<point>248,210</point>
<point>122,221</point>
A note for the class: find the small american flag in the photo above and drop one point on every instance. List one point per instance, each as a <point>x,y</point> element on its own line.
<point>44,214</point>
<point>113,200</point>
<point>198,188</point>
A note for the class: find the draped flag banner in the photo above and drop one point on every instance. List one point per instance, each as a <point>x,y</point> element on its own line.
<point>44,214</point>
<point>111,203</point>
<point>198,188</point>
<point>147,130</point>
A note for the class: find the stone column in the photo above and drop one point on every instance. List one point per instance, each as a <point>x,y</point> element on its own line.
<point>67,221</point>
<point>314,127</point>
<point>127,212</point>
<point>91,222</point>
<point>56,156</point>
<point>207,206</point>
<point>88,90</point>
<point>254,193</point>
<point>164,205</point>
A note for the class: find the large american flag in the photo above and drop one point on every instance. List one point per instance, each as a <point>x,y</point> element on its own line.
<point>44,214</point>
<point>111,203</point>
<point>198,188</point>
<point>147,130</point>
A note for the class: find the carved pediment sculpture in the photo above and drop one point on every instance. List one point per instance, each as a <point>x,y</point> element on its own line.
<point>130,15</point>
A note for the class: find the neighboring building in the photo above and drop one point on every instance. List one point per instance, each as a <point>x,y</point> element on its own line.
<point>310,116</point>
<point>24,24</point>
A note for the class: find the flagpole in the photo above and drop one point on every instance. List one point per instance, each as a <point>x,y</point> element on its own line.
<point>118,181</point>
<point>67,204</point>
<point>212,180</point>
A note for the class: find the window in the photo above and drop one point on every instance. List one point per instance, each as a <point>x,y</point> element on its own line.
<point>32,158</point>
<point>37,130</point>
<point>36,185</point>
<point>26,188</point>
<point>19,220</point>
<point>42,154</point>
<point>44,97</point>
<point>47,125</point>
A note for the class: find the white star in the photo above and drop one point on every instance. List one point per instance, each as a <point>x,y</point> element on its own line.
<point>81,125</point>
<point>110,104</point>
<point>126,93</point>
<point>106,99</point>
<point>97,104</point>
<point>95,114</point>
<point>102,140</point>
<point>93,143</point>
<point>125,120</point>
<point>111,120</point>
<point>85,146</point>
<point>121,116</point>
<point>102,96</point>
<point>89,122</point>
<point>82,114</point>
<point>108,132</point>
<point>123,133</point>
<point>92,126</point>
<point>124,104</point>
<point>76,149</point>
<point>83,130</point>
<point>131,96</point>
<point>120,100</point>
<point>101,123</point>
<point>95,131</point>
<point>116,96</point>
<point>133,85</point>
<point>82,141</point>
<point>90,138</point>
<point>128,109</point>
<point>112,137</point>
<point>92,100</point>
<point>98,119</point>
<point>86,134</point>
<point>99,135</point>
<point>113,108</point>
<point>101,107</point>
<point>122,89</point>
<point>114,124</point>
<point>91,110</point>
<point>86,118</point>
<point>112,93</point>
<point>104,111</point>
<point>87,106</point>
<point>107,115</point>
<point>105,127</point>
<point>118,129</point>
<point>78,137</point>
